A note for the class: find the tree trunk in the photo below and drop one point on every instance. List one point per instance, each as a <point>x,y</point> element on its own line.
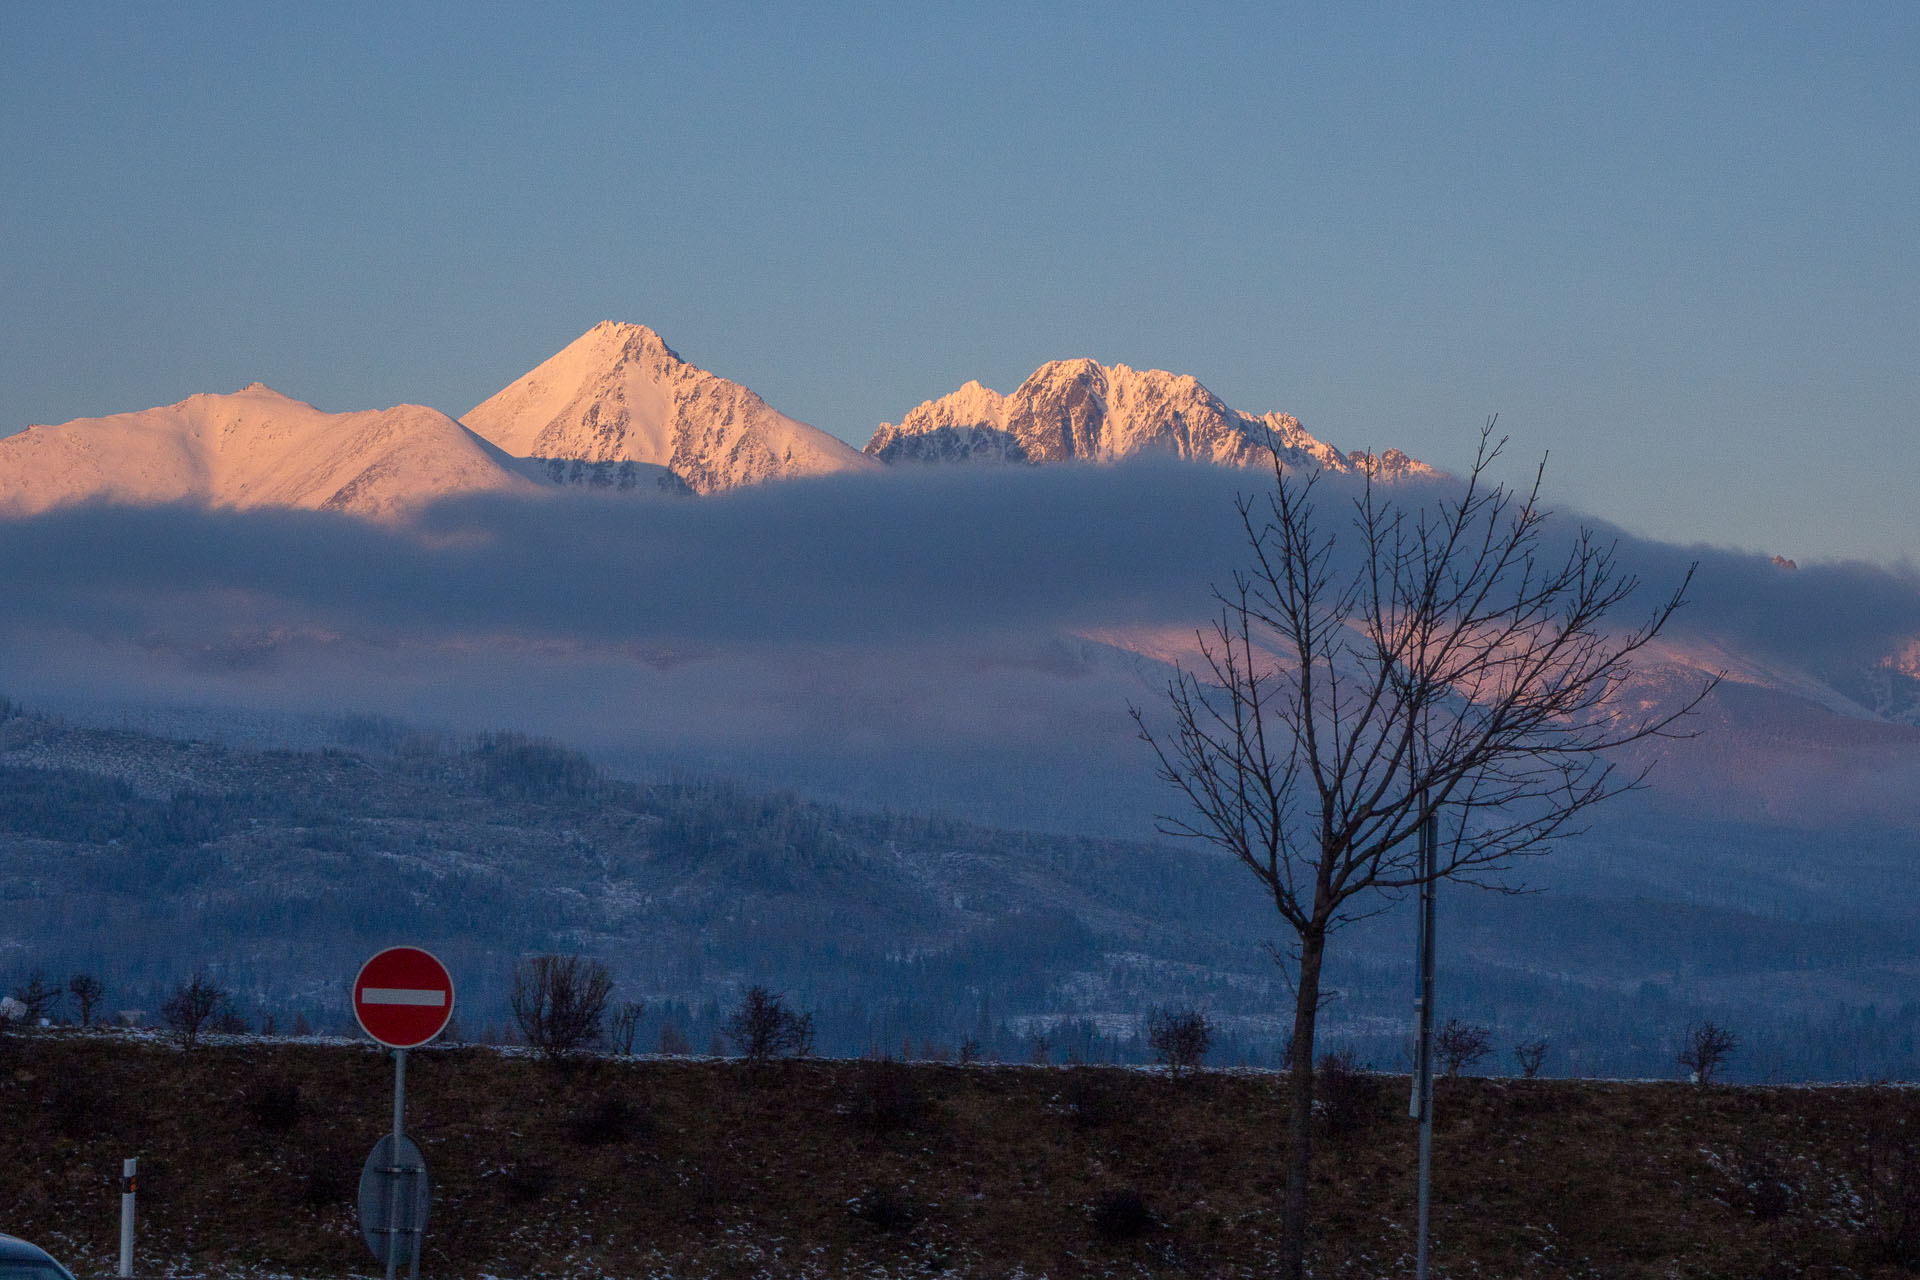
<point>1293,1208</point>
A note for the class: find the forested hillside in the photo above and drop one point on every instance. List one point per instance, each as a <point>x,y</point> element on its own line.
<point>143,860</point>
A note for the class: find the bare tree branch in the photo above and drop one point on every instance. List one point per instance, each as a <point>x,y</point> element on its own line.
<point>1447,662</point>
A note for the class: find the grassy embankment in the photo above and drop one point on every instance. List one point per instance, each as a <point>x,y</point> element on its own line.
<point>250,1156</point>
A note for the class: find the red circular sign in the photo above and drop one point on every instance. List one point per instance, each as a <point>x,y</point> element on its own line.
<point>403,997</point>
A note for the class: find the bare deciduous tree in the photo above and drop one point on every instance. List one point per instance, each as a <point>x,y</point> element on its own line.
<point>37,996</point>
<point>1180,1039</point>
<point>764,1028</point>
<point>1705,1049</point>
<point>625,1026</point>
<point>1433,659</point>
<point>1529,1054</point>
<point>559,1002</point>
<point>191,1006</point>
<point>1458,1045</point>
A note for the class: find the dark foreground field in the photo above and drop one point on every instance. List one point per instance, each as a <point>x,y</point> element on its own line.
<point>250,1155</point>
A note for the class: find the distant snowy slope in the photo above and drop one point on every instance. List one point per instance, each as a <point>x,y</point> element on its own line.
<point>253,448</point>
<point>618,393</point>
<point>1081,410</point>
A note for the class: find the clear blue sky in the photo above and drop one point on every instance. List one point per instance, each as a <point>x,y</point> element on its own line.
<point>1676,245</point>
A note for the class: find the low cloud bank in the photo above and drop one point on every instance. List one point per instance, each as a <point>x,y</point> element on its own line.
<point>852,560</point>
<point>903,623</point>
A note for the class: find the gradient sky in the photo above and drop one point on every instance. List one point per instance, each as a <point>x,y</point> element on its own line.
<point>1677,246</point>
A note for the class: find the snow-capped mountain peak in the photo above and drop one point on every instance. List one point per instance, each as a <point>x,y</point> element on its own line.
<point>619,393</point>
<point>1082,410</point>
<point>255,447</point>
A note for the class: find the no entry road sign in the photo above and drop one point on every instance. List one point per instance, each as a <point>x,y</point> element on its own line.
<point>403,997</point>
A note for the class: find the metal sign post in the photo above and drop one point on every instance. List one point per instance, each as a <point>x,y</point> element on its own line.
<point>394,1179</point>
<point>403,998</point>
<point>1421,1105</point>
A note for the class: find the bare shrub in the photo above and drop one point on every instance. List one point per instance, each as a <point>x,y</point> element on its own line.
<point>1122,1215</point>
<point>1764,1188</point>
<point>229,1022</point>
<point>87,992</point>
<point>191,1007</point>
<point>1704,1049</point>
<point>605,1121</point>
<point>625,1026</point>
<point>1092,1099</point>
<point>1349,1094</point>
<point>1459,1045</point>
<point>764,1028</point>
<point>673,1041</point>
<point>886,1097</point>
<point>882,1208</point>
<point>1179,1039</point>
<point>275,1106</point>
<point>559,1002</point>
<point>524,1183</point>
<point>1887,1179</point>
<point>79,1106</point>
<point>1528,1055</point>
<point>969,1052</point>
<point>330,1179</point>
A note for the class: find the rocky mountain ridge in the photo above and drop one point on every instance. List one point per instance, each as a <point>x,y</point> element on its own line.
<point>618,410</point>
<point>1084,411</point>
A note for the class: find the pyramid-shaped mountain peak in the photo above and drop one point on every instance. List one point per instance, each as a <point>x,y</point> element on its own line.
<point>619,393</point>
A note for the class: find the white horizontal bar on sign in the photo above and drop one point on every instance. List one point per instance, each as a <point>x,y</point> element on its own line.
<point>402,995</point>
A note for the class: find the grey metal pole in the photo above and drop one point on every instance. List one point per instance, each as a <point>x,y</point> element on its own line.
<point>128,1169</point>
<point>1423,1068</point>
<point>393,1165</point>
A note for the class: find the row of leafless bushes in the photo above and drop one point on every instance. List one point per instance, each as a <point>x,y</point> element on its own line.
<point>564,1004</point>
<point>35,1000</point>
<point>561,1004</point>
<point>195,1007</point>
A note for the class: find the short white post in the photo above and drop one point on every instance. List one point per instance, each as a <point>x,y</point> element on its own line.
<point>127,1170</point>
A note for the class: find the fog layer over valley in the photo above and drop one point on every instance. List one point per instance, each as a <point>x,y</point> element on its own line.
<point>962,639</point>
<point>954,642</point>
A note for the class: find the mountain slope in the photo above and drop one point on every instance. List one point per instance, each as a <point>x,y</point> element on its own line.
<point>254,448</point>
<point>145,859</point>
<point>619,393</point>
<point>1081,410</point>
